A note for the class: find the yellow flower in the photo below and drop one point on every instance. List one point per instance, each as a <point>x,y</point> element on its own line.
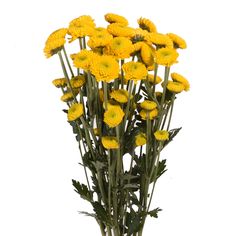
<point>161,135</point>
<point>60,83</point>
<point>179,78</point>
<point>146,24</point>
<point>75,111</point>
<point>120,47</point>
<point>137,46</point>
<point>175,87</point>
<point>110,142</point>
<point>134,71</point>
<point>100,39</point>
<point>66,97</point>
<point>83,20</point>
<point>105,68</point>
<point>113,116</point>
<point>113,18</point>
<point>77,81</point>
<point>178,41</point>
<point>148,105</point>
<point>145,114</point>
<point>79,32</point>
<point>147,54</point>
<point>151,79</point>
<point>83,59</point>
<point>140,139</point>
<point>120,95</point>
<point>55,42</point>
<point>118,30</point>
<point>160,40</point>
<point>166,56</point>
<point>138,34</point>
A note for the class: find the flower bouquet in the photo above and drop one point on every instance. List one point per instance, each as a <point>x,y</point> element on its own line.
<point>120,111</point>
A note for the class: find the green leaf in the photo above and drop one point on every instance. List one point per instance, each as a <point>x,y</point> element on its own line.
<point>82,190</point>
<point>158,171</point>
<point>87,214</point>
<point>101,213</point>
<point>154,213</point>
<point>134,223</point>
<point>172,134</point>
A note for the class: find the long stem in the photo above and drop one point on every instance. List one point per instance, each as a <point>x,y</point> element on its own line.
<point>105,94</point>
<point>68,63</point>
<point>109,181</point>
<point>155,77</point>
<point>171,110</point>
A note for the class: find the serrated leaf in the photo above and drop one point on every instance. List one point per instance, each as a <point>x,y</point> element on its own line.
<point>134,223</point>
<point>159,171</point>
<point>82,190</point>
<point>172,134</point>
<point>154,213</point>
<point>87,214</point>
<point>101,213</point>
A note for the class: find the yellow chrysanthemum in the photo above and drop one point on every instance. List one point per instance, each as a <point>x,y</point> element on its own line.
<point>151,79</point>
<point>178,41</point>
<point>99,40</point>
<point>110,142</point>
<point>83,20</point>
<point>66,97</point>
<point>83,59</point>
<point>148,105</point>
<point>53,46</point>
<point>105,68</point>
<point>147,54</point>
<point>60,83</point>
<point>166,56</point>
<point>134,71</point>
<point>114,18</point>
<point>78,81</point>
<point>146,24</point>
<point>118,30</point>
<point>113,116</point>
<point>120,47</point>
<point>145,114</point>
<point>75,111</point>
<point>137,46</point>
<point>160,40</point>
<point>140,139</point>
<point>175,87</point>
<point>57,34</point>
<point>138,34</point>
<point>161,135</point>
<point>181,79</point>
<point>120,95</point>
<point>79,32</point>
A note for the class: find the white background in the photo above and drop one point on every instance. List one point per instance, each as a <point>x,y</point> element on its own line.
<point>39,155</point>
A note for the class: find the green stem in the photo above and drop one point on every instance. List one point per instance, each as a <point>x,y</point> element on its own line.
<point>109,180</point>
<point>122,73</point>
<point>80,43</point>
<point>68,63</point>
<point>171,110</point>
<point>155,77</point>
<point>66,76</point>
<point>105,94</point>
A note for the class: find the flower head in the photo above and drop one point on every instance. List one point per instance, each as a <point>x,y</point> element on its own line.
<point>153,80</point>
<point>119,30</point>
<point>147,54</point>
<point>146,24</point>
<point>110,142</point>
<point>140,139</point>
<point>178,41</point>
<point>166,56</point>
<point>105,68</point>
<point>79,31</point>
<point>134,71</point>
<point>100,39</point>
<point>114,18</point>
<point>146,114</point>
<point>160,40</point>
<point>83,59</point>
<point>75,111</point>
<point>161,135</point>
<point>66,97</point>
<point>60,83</point>
<point>113,116</point>
<point>120,95</point>
<point>175,87</point>
<point>120,47</point>
<point>77,81</point>
<point>181,79</point>
<point>148,105</point>
<point>83,20</point>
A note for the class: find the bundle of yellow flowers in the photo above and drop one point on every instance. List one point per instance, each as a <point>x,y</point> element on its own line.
<point>119,105</point>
